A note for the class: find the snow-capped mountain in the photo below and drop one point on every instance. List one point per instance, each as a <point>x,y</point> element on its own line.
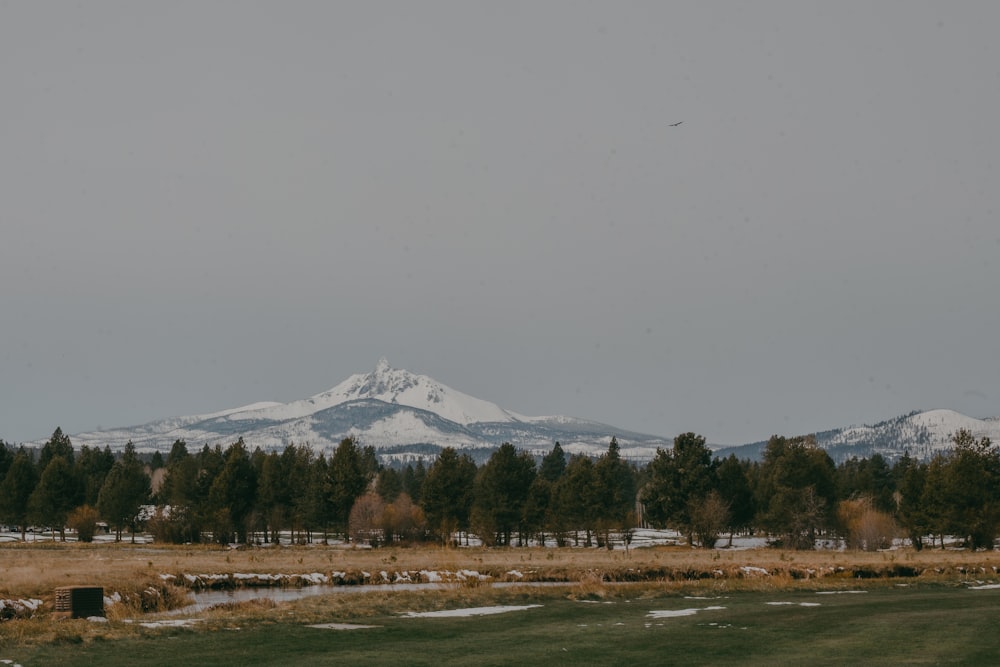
<point>389,385</point>
<point>403,414</point>
<point>921,434</point>
<point>397,412</point>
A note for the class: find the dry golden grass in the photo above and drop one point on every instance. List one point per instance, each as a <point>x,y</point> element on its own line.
<point>134,572</point>
<point>28,570</point>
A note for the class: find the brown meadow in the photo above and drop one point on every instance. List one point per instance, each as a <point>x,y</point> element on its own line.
<point>28,570</point>
<point>137,574</point>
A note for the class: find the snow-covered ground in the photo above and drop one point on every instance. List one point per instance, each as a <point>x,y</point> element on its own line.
<point>673,613</point>
<point>20,607</point>
<point>471,611</point>
<point>641,537</point>
<point>47,535</point>
<point>342,626</point>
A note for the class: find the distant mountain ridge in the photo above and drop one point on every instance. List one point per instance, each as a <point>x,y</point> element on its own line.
<point>403,414</point>
<point>921,434</point>
<point>391,409</point>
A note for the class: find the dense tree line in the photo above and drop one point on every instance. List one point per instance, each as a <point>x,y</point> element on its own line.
<point>795,494</point>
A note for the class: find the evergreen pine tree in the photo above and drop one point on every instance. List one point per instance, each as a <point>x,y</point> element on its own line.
<point>58,445</point>
<point>16,490</point>
<point>56,495</point>
<point>501,490</point>
<point>349,478</point>
<point>126,488</point>
<point>447,493</point>
<point>232,494</point>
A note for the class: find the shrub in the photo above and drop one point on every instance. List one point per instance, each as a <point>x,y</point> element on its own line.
<point>365,519</point>
<point>84,521</point>
<point>173,525</point>
<point>863,526</point>
<point>709,516</point>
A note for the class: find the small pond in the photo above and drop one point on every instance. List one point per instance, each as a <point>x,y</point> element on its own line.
<point>206,599</point>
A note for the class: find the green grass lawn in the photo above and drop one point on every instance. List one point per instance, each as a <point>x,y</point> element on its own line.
<point>919,624</point>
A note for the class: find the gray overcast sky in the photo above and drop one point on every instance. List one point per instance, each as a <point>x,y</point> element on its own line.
<point>207,204</point>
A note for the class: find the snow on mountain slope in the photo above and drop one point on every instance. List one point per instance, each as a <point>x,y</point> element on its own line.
<point>945,423</point>
<point>391,386</point>
<point>232,412</point>
<point>419,391</point>
<point>920,434</point>
<point>392,408</point>
<point>387,409</point>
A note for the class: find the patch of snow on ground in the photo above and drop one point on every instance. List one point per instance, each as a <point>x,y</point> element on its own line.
<point>471,611</point>
<point>750,569</point>
<point>799,604</point>
<point>839,592</point>
<point>341,626</point>
<point>171,623</point>
<point>673,613</point>
<point>21,605</point>
<point>984,587</point>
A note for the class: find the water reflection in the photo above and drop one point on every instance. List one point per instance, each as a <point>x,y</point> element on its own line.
<point>206,599</point>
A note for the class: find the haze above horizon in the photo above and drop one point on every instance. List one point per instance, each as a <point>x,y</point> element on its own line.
<point>211,205</point>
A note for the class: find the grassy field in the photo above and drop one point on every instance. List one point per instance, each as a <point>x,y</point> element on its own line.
<point>918,624</point>
<point>926,615</point>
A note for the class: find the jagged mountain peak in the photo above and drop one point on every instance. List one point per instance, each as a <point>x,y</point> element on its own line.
<point>393,385</point>
<point>387,383</point>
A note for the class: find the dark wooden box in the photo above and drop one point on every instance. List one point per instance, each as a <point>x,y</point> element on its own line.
<point>80,601</point>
